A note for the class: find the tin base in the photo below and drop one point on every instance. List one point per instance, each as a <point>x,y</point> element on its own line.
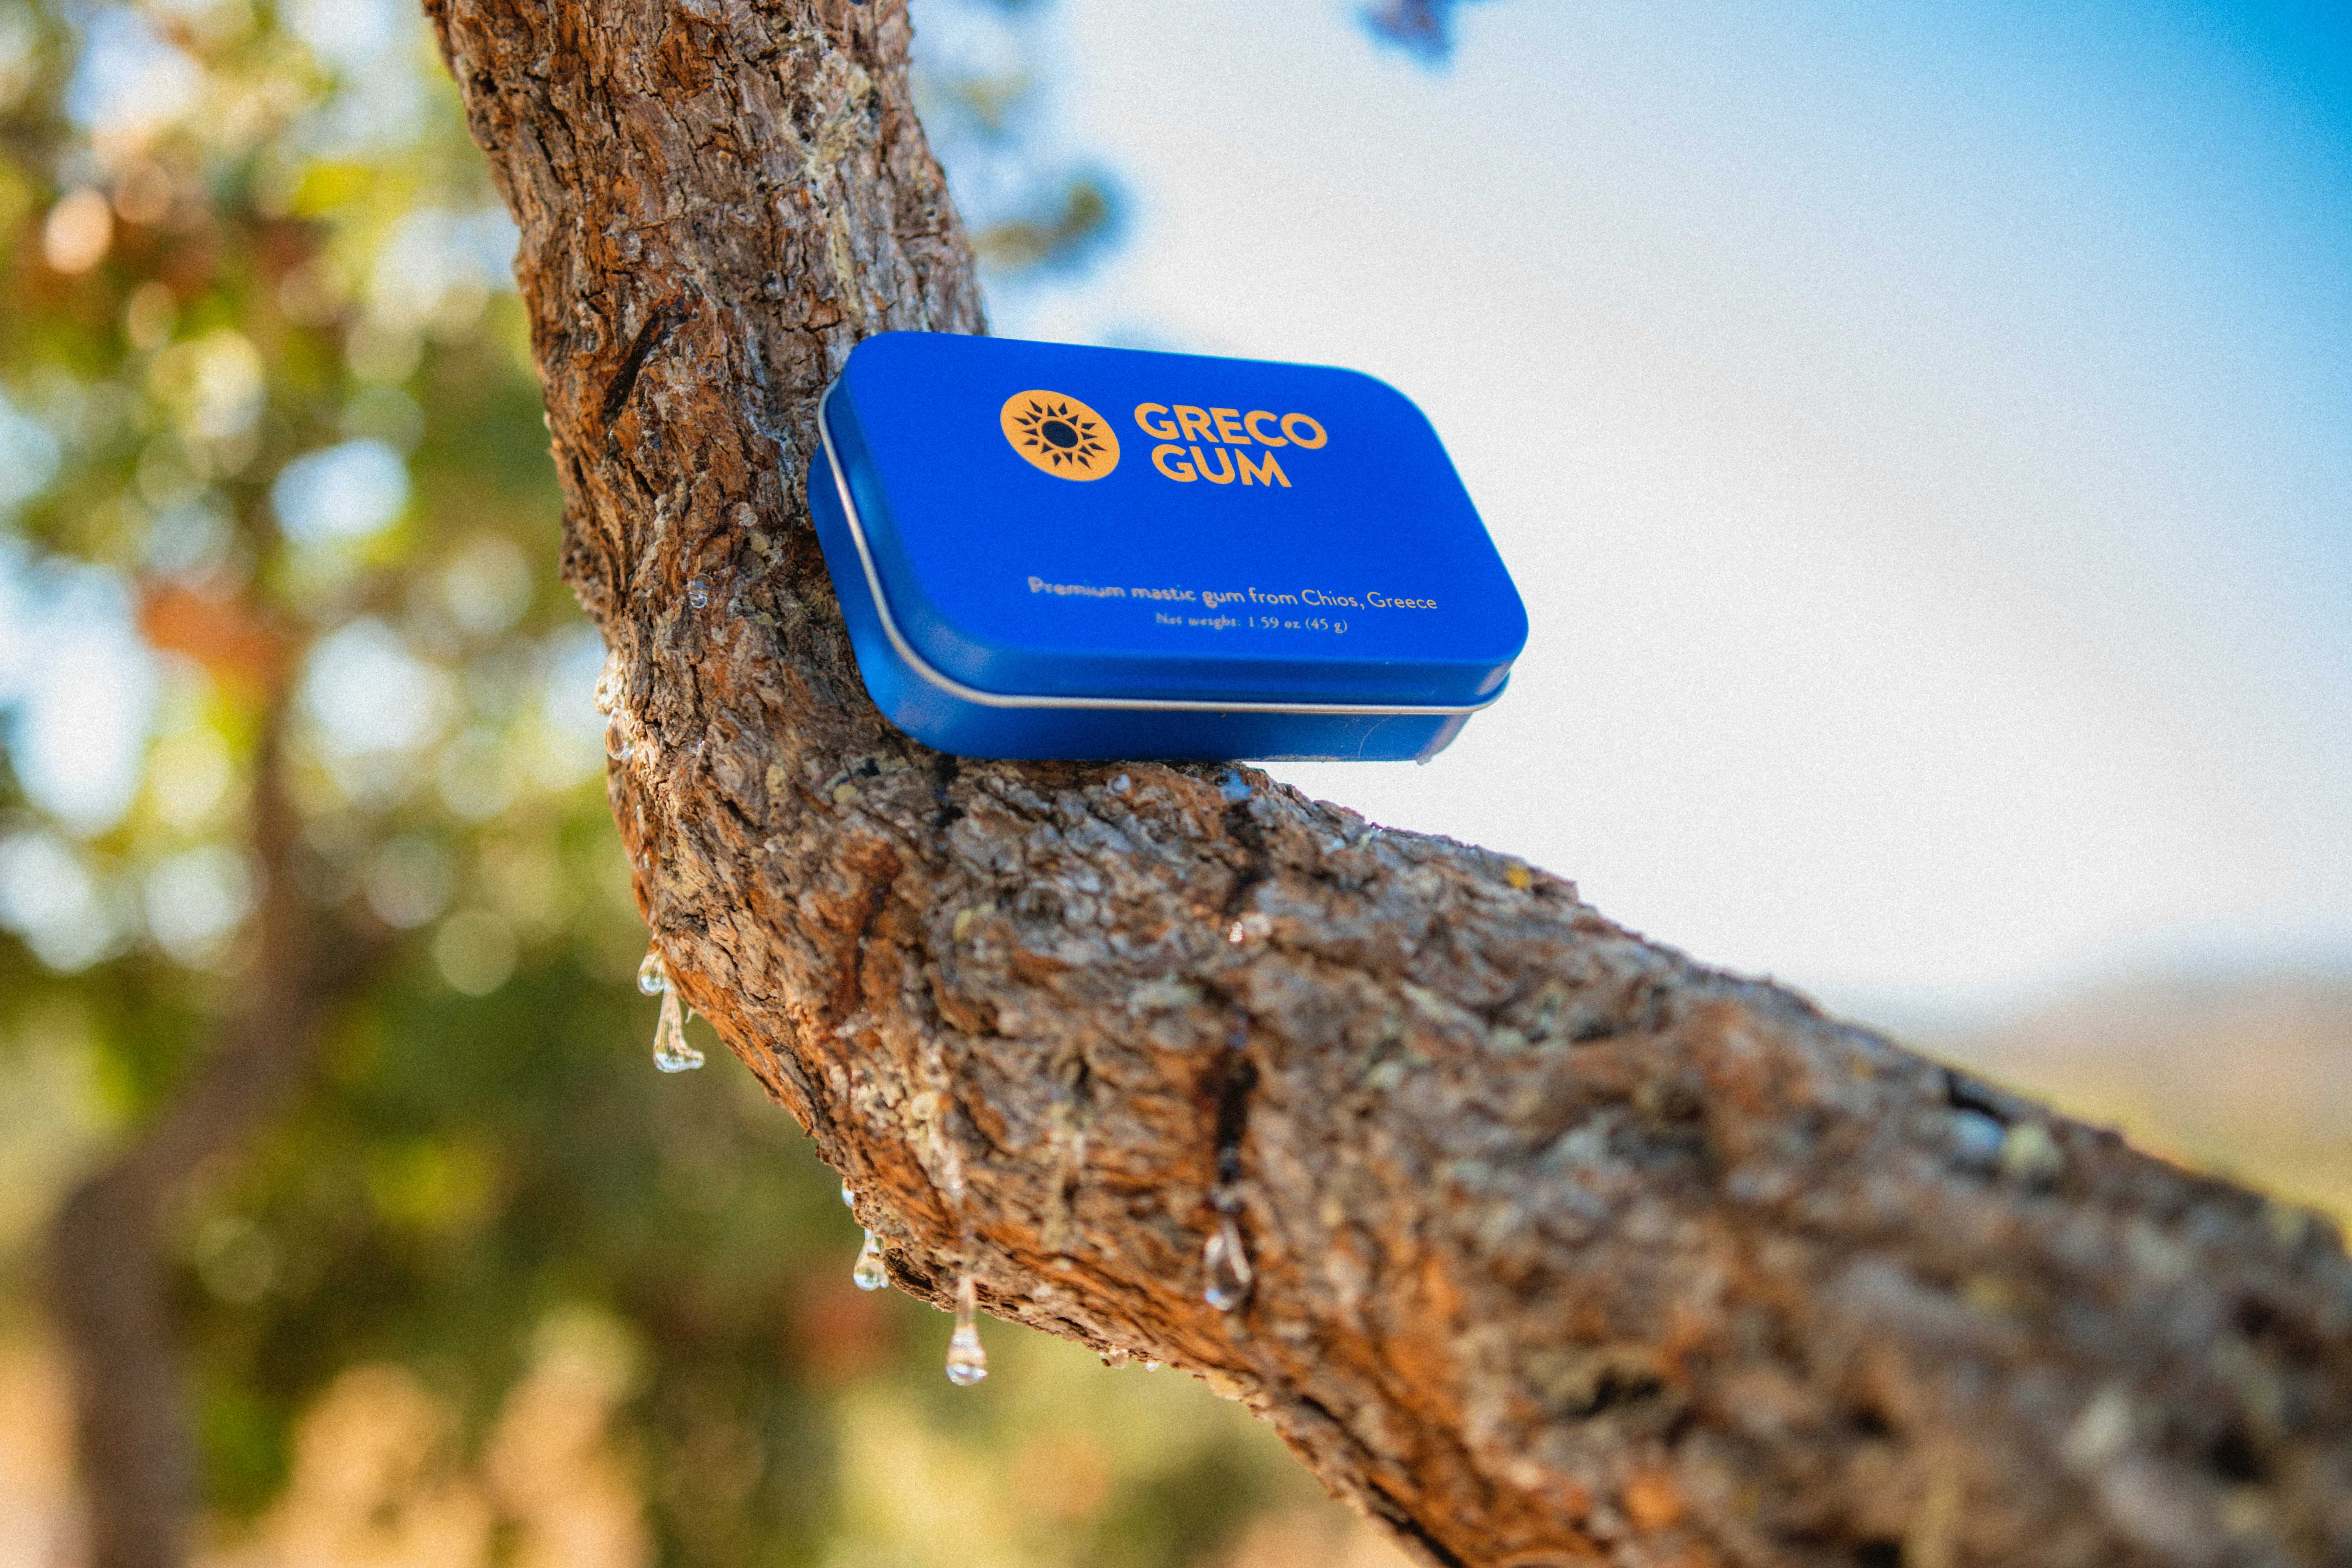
<point>954,719</point>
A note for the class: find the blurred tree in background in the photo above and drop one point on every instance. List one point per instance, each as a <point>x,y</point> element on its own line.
<point>324,944</point>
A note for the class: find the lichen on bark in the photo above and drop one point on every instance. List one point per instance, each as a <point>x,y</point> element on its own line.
<point>1565,1248</point>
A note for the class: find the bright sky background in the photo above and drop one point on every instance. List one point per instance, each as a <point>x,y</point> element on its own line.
<point>1923,436</point>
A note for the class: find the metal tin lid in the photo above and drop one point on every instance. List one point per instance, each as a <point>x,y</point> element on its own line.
<point>1051,520</point>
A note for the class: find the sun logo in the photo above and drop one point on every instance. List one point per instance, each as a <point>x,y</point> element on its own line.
<point>1059,435</point>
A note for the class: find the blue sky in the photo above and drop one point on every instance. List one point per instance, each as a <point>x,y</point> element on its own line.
<point>1923,435</point>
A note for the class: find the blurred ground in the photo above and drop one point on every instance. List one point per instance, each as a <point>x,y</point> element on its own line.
<point>382,1479</point>
<point>2249,1078</point>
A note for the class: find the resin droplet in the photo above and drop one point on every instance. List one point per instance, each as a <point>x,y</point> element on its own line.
<point>869,1274</point>
<point>1116,1357</point>
<point>608,681</point>
<point>653,976</point>
<point>1226,1267</point>
<point>697,594</point>
<point>671,1053</point>
<point>1151,1366</point>
<point>967,1358</point>
<point>848,1198</point>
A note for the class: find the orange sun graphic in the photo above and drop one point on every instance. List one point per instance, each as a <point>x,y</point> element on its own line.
<point>1059,435</point>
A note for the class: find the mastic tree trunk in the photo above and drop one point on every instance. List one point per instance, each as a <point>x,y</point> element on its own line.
<point>1566,1248</point>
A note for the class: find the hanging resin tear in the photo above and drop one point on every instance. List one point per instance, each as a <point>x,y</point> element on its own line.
<point>868,1274</point>
<point>671,1053</point>
<point>1226,1267</point>
<point>967,1357</point>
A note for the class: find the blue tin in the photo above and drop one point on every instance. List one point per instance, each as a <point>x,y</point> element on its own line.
<point>1046,550</point>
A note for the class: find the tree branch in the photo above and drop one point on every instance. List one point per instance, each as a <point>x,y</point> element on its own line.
<point>1566,1248</point>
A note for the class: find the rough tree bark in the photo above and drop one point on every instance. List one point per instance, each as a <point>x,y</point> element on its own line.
<point>1567,1247</point>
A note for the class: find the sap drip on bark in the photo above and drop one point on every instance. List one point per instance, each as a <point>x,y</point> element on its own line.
<point>671,1052</point>
<point>868,1274</point>
<point>1227,1272</point>
<point>967,1357</point>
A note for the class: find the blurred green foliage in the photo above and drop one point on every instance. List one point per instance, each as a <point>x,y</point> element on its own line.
<point>494,1290</point>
